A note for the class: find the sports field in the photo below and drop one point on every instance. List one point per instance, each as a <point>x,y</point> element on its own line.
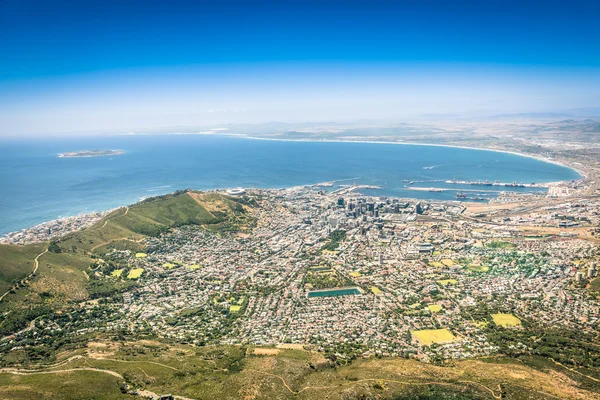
<point>117,273</point>
<point>446,282</point>
<point>448,262</point>
<point>135,273</point>
<point>427,337</point>
<point>506,320</point>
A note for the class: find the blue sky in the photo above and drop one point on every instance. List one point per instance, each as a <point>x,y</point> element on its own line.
<point>95,66</point>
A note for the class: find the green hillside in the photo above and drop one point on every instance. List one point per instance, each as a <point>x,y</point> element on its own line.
<point>63,273</point>
<point>16,262</point>
<point>156,215</point>
<point>231,372</point>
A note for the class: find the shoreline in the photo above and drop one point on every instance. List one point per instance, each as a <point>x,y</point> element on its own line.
<point>582,174</point>
<point>83,221</point>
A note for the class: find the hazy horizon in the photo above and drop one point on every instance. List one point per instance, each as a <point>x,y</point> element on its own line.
<point>110,67</point>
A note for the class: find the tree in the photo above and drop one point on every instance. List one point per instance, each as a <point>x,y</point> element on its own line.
<point>53,247</point>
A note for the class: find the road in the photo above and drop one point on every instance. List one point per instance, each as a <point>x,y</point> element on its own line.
<point>110,219</point>
<point>141,392</point>
<point>16,371</point>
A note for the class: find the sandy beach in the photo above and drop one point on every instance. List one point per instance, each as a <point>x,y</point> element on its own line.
<point>539,158</point>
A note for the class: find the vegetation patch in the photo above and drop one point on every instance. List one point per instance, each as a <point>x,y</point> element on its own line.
<point>325,279</point>
<point>595,285</point>
<point>499,244</point>
<point>334,240</point>
<point>478,268</point>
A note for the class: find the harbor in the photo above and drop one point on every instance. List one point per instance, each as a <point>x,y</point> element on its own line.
<point>497,183</point>
<point>351,188</point>
<point>436,189</point>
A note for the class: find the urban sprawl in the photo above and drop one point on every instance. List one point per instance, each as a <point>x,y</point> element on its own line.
<point>354,276</point>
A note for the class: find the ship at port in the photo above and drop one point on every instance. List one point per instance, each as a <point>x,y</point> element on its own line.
<point>480,183</point>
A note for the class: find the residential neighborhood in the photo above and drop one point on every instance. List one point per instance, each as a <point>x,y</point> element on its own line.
<point>356,276</point>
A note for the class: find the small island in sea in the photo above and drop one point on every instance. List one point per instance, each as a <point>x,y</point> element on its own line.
<point>90,153</point>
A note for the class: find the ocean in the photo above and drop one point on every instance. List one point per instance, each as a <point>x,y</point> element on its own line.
<point>38,186</point>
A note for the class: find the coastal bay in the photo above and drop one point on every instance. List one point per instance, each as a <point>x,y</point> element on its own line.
<point>40,187</point>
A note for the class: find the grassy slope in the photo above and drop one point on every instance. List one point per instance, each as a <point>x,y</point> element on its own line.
<point>151,217</point>
<point>61,277</point>
<point>65,386</point>
<point>227,373</point>
<point>16,262</point>
<point>595,285</point>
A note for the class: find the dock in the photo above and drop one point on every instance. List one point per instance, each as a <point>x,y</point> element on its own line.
<point>497,183</point>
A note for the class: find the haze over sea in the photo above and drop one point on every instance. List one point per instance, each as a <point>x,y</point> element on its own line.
<point>38,186</point>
